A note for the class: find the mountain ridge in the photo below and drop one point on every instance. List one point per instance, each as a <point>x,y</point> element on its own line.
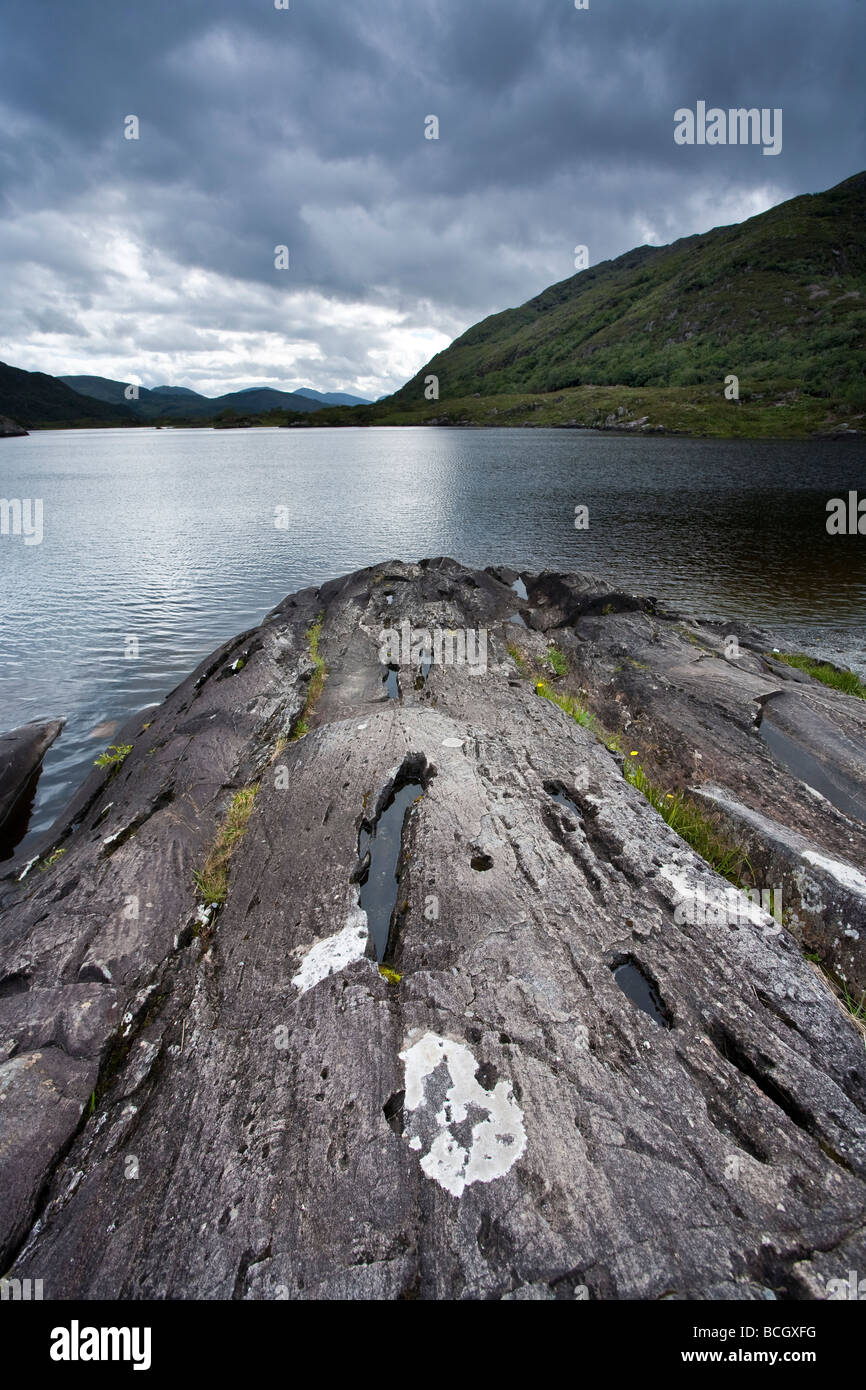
<point>35,398</point>
<point>166,403</point>
<point>614,323</point>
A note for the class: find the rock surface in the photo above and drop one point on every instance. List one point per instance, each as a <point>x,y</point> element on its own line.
<point>10,429</point>
<point>21,754</point>
<point>237,1103</point>
<point>706,707</point>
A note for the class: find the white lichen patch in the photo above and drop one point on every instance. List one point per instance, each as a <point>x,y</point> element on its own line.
<point>724,906</point>
<point>487,1146</point>
<point>334,953</point>
<point>844,874</point>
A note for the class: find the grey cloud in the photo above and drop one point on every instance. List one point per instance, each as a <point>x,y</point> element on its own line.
<point>305,127</point>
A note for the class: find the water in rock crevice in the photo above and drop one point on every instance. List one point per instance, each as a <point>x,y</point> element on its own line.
<point>381,838</point>
<point>639,988</point>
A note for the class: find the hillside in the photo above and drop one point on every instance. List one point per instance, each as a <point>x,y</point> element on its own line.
<point>777,298</point>
<point>34,399</point>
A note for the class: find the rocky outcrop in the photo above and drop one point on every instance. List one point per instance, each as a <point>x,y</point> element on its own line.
<point>10,429</point>
<point>21,754</point>
<point>562,1086</point>
<point>774,754</point>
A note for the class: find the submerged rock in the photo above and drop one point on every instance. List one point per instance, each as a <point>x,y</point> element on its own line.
<point>21,754</point>
<point>560,1087</point>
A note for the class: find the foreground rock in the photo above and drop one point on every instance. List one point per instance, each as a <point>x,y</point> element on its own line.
<point>778,757</point>
<point>10,429</point>
<point>239,1104</point>
<point>21,754</point>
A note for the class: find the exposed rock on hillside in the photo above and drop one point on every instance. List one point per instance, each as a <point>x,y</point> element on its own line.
<point>558,1085</point>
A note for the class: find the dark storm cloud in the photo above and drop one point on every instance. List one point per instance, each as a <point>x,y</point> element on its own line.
<point>306,127</point>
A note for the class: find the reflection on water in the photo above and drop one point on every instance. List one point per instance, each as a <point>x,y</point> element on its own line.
<point>170,537</point>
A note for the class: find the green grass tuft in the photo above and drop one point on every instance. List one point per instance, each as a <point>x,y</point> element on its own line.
<point>824,671</point>
<point>693,826</point>
<point>317,680</point>
<point>517,657</point>
<point>558,660</point>
<point>212,880</point>
<point>677,810</point>
<point>114,755</point>
<point>52,859</point>
<point>572,707</point>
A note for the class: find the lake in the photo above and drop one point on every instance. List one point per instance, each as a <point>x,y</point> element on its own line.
<point>169,537</point>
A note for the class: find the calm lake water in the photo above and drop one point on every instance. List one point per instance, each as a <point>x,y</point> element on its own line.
<point>169,536</point>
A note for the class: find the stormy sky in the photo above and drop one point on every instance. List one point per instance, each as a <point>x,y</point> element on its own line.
<point>152,260</point>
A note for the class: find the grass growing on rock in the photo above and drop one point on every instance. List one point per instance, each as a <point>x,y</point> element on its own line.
<point>580,714</point>
<point>824,671</point>
<point>853,1006</point>
<point>317,680</point>
<point>517,657</point>
<point>212,880</point>
<point>571,705</point>
<point>52,859</point>
<point>683,816</point>
<point>558,660</point>
<point>856,1007</point>
<point>114,755</point>
<point>697,829</point>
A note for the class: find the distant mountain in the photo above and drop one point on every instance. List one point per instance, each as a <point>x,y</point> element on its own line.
<point>179,403</point>
<point>177,391</point>
<point>102,388</point>
<point>34,400</point>
<point>257,400</point>
<point>331,397</point>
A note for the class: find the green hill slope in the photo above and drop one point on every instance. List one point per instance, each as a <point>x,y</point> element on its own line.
<point>778,300</point>
<point>34,400</point>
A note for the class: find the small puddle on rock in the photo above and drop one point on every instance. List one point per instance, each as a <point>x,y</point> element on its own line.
<point>641,991</point>
<point>556,791</point>
<point>806,767</point>
<point>517,618</point>
<point>382,841</point>
<point>391,682</point>
<point>562,799</point>
<point>423,670</point>
<point>520,589</point>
